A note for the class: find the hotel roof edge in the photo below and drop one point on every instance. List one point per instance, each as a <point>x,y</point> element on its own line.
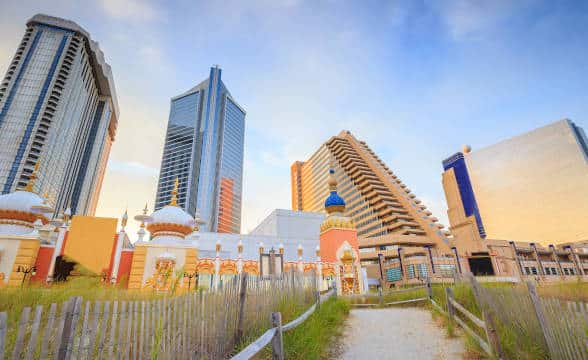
<point>102,68</point>
<point>203,85</point>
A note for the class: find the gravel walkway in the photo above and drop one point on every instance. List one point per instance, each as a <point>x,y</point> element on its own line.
<point>397,333</point>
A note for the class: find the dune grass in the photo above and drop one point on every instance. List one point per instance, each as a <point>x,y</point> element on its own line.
<point>571,291</point>
<point>314,337</point>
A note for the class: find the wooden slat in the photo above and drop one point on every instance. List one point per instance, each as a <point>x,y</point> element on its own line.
<point>468,314</point>
<point>48,334</point>
<point>34,332</point>
<point>77,305</point>
<point>139,351</point>
<point>113,327</point>
<point>184,326</point>
<point>103,330</point>
<point>484,345</point>
<point>130,320</point>
<point>22,328</point>
<point>255,346</point>
<point>93,331</point>
<point>121,330</point>
<point>3,326</point>
<point>81,342</point>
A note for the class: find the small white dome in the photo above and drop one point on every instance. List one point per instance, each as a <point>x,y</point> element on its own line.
<point>172,215</point>
<point>20,201</point>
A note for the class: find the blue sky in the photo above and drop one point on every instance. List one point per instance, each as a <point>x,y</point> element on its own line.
<point>414,79</point>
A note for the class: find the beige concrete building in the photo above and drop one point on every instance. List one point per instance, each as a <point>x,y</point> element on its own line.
<point>520,207</point>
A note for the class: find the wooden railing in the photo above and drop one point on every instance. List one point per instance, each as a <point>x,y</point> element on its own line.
<point>381,296</point>
<point>275,333</point>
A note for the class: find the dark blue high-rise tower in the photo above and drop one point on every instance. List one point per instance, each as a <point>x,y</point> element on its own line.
<point>204,150</point>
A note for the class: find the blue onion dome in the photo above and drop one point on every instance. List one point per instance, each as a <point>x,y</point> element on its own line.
<point>334,203</point>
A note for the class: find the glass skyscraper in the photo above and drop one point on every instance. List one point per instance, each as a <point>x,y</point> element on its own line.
<point>58,108</point>
<point>204,151</point>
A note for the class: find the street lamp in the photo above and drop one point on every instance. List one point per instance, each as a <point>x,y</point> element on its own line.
<point>190,276</point>
<point>26,270</point>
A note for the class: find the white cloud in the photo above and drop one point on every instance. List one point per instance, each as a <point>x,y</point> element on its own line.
<point>133,168</point>
<point>472,19</point>
<point>138,10</point>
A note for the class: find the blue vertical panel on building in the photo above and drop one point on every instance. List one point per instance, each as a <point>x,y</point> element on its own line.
<point>23,67</point>
<point>231,163</point>
<point>468,198</point>
<point>86,157</point>
<point>33,119</point>
<point>210,146</point>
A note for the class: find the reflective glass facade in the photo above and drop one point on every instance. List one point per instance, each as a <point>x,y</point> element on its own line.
<point>58,109</point>
<point>204,151</point>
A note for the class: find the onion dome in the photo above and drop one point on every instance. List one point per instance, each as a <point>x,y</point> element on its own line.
<point>334,203</point>
<point>23,207</point>
<point>171,218</point>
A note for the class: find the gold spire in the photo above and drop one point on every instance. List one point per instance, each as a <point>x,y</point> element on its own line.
<point>32,178</point>
<point>332,182</point>
<point>174,199</point>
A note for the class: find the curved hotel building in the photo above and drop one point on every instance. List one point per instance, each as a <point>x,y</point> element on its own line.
<point>204,151</point>
<point>58,111</point>
<point>394,227</point>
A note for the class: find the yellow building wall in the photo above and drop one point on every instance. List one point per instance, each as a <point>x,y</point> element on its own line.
<point>137,267</point>
<point>90,242</point>
<point>25,256</point>
<point>533,187</point>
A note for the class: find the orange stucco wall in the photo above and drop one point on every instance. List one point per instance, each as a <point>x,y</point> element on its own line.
<point>124,269</point>
<point>90,241</point>
<point>331,240</point>
<point>42,262</point>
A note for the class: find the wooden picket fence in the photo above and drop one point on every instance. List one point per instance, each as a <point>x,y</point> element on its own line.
<point>558,328</point>
<point>200,324</point>
<point>553,328</point>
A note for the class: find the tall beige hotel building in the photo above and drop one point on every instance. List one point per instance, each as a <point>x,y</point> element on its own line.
<point>388,216</point>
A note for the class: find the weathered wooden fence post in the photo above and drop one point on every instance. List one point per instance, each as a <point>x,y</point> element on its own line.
<point>277,344</point>
<point>429,289</point>
<point>541,317</point>
<point>489,320</point>
<point>318,291</point>
<point>449,295</point>
<point>241,316</point>
<point>3,325</point>
<point>71,319</point>
<point>380,295</point>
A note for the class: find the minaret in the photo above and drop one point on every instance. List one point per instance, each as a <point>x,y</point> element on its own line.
<point>338,240</point>
<point>120,239</point>
<point>142,218</point>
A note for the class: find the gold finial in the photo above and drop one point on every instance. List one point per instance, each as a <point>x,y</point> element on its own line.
<point>32,178</point>
<point>332,180</point>
<point>124,219</point>
<point>174,199</point>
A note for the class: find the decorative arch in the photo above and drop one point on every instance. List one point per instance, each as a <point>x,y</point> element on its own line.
<point>251,267</point>
<point>228,267</point>
<point>205,266</point>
